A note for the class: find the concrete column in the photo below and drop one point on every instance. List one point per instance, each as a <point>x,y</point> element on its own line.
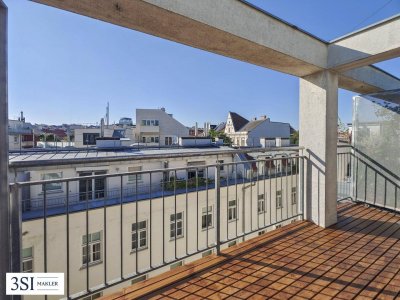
<point>318,135</point>
<point>4,192</point>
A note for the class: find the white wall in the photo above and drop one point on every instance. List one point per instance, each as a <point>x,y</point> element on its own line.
<point>12,144</point>
<point>78,135</point>
<point>267,129</point>
<point>168,126</point>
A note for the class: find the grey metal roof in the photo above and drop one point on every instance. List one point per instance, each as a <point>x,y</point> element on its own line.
<point>31,159</point>
<point>220,127</point>
<point>251,125</point>
<point>79,156</point>
<point>238,121</point>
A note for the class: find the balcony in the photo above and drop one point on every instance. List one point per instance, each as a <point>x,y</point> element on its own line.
<point>245,218</point>
<point>357,258</point>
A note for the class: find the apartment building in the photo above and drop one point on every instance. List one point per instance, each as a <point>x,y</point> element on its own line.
<point>86,136</point>
<point>158,128</point>
<point>245,133</point>
<point>117,226</point>
<point>20,135</point>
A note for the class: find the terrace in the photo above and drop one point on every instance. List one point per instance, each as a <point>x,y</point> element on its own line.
<point>344,251</point>
<point>357,258</point>
<point>261,246</point>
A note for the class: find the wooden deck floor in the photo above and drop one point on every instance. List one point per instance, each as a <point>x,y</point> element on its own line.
<point>358,258</point>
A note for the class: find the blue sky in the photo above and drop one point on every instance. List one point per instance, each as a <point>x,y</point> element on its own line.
<point>63,68</point>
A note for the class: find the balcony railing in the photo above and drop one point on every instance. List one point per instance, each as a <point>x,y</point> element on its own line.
<point>126,225</point>
<point>363,179</point>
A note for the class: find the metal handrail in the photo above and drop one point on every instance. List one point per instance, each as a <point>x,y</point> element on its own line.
<point>60,180</point>
<point>284,176</point>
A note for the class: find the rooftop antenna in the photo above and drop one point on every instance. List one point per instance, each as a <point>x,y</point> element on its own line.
<point>108,114</point>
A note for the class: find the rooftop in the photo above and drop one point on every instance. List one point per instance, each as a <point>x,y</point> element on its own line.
<point>76,156</point>
<point>238,121</point>
<point>50,157</point>
<point>357,258</point>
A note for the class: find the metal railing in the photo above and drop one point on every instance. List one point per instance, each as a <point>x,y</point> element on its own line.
<point>363,179</point>
<point>171,215</point>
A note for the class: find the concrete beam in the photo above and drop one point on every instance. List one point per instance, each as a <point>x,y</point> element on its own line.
<point>368,79</point>
<point>5,259</point>
<point>367,46</point>
<point>230,28</point>
<point>318,135</point>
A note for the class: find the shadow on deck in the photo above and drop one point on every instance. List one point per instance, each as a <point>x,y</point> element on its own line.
<point>358,258</point>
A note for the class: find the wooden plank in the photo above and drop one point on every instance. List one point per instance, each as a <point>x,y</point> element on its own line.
<point>298,249</point>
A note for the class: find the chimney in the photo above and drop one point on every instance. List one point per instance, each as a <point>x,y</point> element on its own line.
<point>102,127</point>
<point>163,109</point>
<point>22,119</point>
<point>108,114</point>
<point>195,130</point>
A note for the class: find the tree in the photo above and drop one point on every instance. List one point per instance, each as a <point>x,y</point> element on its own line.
<point>294,138</point>
<point>220,135</point>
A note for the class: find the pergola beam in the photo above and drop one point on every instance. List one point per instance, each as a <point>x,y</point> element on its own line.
<point>238,30</point>
<point>227,27</point>
<point>368,79</point>
<point>370,45</point>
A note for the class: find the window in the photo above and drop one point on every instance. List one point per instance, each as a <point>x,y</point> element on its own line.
<point>261,204</point>
<point>175,265</point>
<point>232,210</point>
<point>278,226</point>
<point>133,178</point>
<point>93,296</point>
<point>294,195</point>
<point>192,173</point>
<point>91,248</point>
<point>261,232</point>
<point>278,199</point>
<point>90,189</point>
<point>52,186</point>
<point>139,279</point>
<point>15,139</point>
<point>221,168</point>
<point>206,217</point>
<point>150,139</point>
<point>176,225</point>
<point>27,260</point>
<point>139,235</point>
<point>168,140</point>
<point>90,138</point>
<point>150,123</point>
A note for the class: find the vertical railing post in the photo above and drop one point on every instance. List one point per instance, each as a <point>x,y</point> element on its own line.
<point>4,190</point>
<point>16,222</point>
<point>218,204</point>
<point>301,195</point>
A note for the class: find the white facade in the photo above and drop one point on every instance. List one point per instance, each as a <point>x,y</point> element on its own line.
<point>245,133</point>
<point>86,137</point>
<point>158,128</point>
<point>20,135</point>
